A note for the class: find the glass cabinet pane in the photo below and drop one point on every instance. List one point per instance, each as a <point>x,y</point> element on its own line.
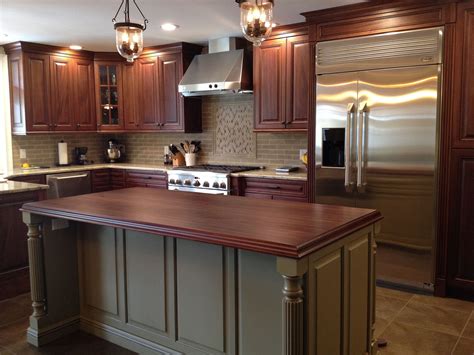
<point>113,96</point>
<point>112,75</point>
<point>114,115</point>
<point>105,114</point>
<point>103,74</point>
<point>104,96</point>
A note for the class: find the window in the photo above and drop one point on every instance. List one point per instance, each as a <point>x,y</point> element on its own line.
<point>5,129</point>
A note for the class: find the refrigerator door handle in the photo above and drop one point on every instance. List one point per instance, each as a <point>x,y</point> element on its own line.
<point>348,148</point>
<point>361,143</point>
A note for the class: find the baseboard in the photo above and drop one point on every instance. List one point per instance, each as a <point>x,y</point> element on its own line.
<point>52,333</point>
<point>124,339</point>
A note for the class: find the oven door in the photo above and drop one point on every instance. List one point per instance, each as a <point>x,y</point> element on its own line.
<point>198,190</point>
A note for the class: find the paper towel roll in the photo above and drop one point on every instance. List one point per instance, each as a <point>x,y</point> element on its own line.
<point>63,154</point>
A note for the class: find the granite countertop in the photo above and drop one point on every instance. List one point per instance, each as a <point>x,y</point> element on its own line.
<point>10,187</point>
<point>264,173</point>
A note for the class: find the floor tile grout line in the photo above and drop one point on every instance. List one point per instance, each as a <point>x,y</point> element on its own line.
<point>396,315</point>
<point>437,305</point>
<point>462,332</point>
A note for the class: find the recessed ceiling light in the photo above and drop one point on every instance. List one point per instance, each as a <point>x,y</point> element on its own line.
<point>169,27</point>
<point>274,24</point>
<point>75,47</point>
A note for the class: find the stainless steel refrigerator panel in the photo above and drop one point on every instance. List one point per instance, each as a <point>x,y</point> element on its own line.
<point>396,158</point>
<point>335,138</point>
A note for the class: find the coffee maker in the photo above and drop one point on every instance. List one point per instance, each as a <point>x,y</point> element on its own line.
<point>80,155</point>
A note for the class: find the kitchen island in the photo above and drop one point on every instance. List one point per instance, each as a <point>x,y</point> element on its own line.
<point>169,272</point>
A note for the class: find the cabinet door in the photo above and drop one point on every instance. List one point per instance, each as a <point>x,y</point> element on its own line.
<point>130,96</point>
<point>84,104</point>
<point>464,115</point>
<point>36,86</point>
<point>269,85</point>
<point>298,81</point>
<point>170,103</point>
<point>62,88</point>
<point>461,223</point>
<point>148,101</point>
<point>108,96</point>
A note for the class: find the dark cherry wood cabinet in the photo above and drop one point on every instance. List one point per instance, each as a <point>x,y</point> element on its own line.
<point>51,89</point>
<point>463,128</point>
<point>146,178</point>
<point>101,180</point>
<point>170,104</point>
<point>117,179</point>
<point>148,93</point>
<point>282,80</point>
<point>130,101</point>
<point>29,91</point>
<point>108,95</point>
<point>62,93</point>
<point>34,179</point>
<point>460,273</point>
<point>274,189</point>
<point>14,273</point>
<point>84,99</point>
<point>269,85</point>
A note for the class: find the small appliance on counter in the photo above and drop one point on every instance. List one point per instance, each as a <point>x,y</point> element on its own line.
<point>167,158</point>
<point>80,155</point>
<point>115,152</point>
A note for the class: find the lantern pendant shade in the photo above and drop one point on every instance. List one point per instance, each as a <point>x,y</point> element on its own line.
<point>129,40</point>
<point>256,20</point>
<point>129,35</point>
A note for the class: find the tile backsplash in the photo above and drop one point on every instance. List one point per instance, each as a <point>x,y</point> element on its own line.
<point>227,137</point>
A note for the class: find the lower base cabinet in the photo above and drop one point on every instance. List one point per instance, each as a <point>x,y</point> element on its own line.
<point>14,273</point>
<point>275,189</point>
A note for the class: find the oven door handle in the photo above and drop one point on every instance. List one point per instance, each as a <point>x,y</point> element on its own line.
<point>348,184</point>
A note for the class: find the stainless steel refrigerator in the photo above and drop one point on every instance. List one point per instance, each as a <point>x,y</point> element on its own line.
<point>377,108</point>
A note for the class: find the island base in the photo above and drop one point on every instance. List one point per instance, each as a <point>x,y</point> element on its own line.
<point>164,295</point>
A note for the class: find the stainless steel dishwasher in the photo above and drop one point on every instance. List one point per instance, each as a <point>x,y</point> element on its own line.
<point>68,184</point>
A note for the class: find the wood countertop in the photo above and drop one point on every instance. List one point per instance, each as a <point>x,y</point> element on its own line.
<point>281,228</point>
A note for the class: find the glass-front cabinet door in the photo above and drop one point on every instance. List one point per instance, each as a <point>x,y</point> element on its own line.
<point>109,100</point>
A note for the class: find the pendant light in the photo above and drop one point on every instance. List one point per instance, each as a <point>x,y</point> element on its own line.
<point>256,19</point>
<point>129,35</point>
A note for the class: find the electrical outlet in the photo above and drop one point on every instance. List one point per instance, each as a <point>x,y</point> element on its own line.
<point>22,153</point>
<point>303,152</point>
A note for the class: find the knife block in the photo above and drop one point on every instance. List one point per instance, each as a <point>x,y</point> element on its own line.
<point>178,160</point>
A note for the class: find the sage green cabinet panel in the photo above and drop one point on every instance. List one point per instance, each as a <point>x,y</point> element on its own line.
<point>325,306</point>
<point>145,286</point>
<point>201,292</point>
<point>99,247</point>
<point>359,287</point>
<point>259,294</point>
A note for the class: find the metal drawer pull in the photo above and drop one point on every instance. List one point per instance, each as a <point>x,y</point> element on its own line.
<point>361,147</point>
<point>347,148</point>
<point>70,177</point>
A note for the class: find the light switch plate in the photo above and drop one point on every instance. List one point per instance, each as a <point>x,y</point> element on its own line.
<point>22,153</point>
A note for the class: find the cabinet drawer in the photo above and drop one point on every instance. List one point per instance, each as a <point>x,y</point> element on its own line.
<point>34,179</point>
<point>276,187</point>
<point>156,179</point>
<point>100,180</point>
<point>117,179</point>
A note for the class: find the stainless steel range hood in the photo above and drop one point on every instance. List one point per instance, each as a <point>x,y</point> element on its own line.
<point>227,69</point>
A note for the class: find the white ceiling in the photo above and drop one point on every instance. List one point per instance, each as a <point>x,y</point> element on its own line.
<point>88,22</point>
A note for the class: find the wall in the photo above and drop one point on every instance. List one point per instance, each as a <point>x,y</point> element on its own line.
<point>227,137</point>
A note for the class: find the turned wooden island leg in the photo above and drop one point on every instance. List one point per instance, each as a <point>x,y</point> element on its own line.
<point>35,255</point>
<point>293,305</point>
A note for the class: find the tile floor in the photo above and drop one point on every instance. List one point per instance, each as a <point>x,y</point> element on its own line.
<point>412,324</point>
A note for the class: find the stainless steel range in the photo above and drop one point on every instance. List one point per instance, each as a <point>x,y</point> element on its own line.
<point>207,179</point>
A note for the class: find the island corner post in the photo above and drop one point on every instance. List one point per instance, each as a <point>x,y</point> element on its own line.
<point>238,292</point>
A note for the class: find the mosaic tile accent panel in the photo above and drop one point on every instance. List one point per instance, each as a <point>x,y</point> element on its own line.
<point>234,129</point>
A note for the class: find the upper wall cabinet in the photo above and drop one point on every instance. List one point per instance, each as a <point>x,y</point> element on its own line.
<point>51,89</point>
<point>282,80</point>
<point>144,96</point>
<point>463,128</point>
